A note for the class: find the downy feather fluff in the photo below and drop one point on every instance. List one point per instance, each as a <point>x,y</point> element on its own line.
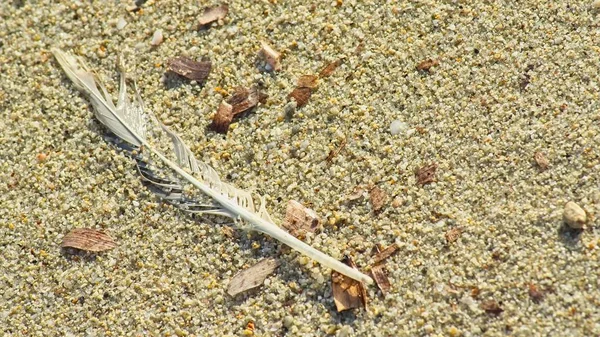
<point>128,121</point>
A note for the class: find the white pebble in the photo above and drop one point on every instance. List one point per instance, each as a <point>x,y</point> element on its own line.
<point>596,4</point>
<point>157,38</point>
<point>397,127</point>
<point>574,215</point>
<point>121,23</point>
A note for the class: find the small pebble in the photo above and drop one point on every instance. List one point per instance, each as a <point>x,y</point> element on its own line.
<point>121,23</point>
<point>157,38</point>
<point>574,215</point>
<point>397,127</point>
<point>596,4</point>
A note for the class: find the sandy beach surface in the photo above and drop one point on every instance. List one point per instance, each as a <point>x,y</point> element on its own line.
<point>478,89</point>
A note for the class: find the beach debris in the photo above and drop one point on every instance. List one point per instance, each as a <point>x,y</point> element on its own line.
<point>385,253</point>
<point>427,64</point>
<point>453,234</point>
<point>300,219</point>
<point>271,56</point>
<point>426,174</point>
<point>41,157</point>
<point>491,307</point>
<point>242,100</point>
<point>252,277</point>
<point>308,81</point>
<point>88,239</point>
<point>212,14</point>
<point>121,23</point>
<point>378,198</point>
<point>379,275</point>
<point>348,293</point>
<point>535,294</point>
<point>541,160</point>
<point>574,216</point>
<point>190,69</point>
<point>157,38</point>
<point>397,126</point>
<point>526,77</point>
<point>334,153</point>
<point>330,68</point>
<point>301,95</point>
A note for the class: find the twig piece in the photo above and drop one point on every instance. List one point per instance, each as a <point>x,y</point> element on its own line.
<point>384,254</point>
<point>190,69</point>
<point>88,239</point>
<point>330,68</point>
<point>379,275</point>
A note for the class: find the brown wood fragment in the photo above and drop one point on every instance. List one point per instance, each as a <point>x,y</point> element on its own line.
<point>427,64</point>
<point>301,96</point>
<point>88,239</point>
<point>536,294</point>
<point>453,234</point>
<point>384,254</point>
<point>541,161</point>
<point>334,153</point>
<point>426,174</point>
<point>330,68</point>
<point>379,275</point>
<point>378,198</point>
<point>308,81</point>
<point>252,277</point>
<point>242,100</point>
<point>223,118</point>
<point>271,56</point>
<point>491,307</point>
<point>190,69</point>
<point>300,220</point>
<point>212,14</point>
<point>348,293</point>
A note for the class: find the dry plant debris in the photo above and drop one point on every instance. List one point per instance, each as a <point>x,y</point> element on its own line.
<point>301,95</point>
<point>271,56</point>
<point>535,294</point>
<point>379,275</point>
<point>491,307</point>
<point>348,293</point>
<point>190,69</point>
<point>300,219</point>
<point>212,14</point>
<point>334,153</point>
<point>386,253</point>
<point>252,277</point>
<point>242,100</point>
<point>88,239</point>
<point>541,161</point>
<point>378,198</point>
<point>453,234</point>
<point>427,65</point>
<point>426,174</point>
<point>330,68</point>
<point>308,81</point>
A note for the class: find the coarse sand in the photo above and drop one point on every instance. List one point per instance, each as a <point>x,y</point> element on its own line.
<point>483,250</point>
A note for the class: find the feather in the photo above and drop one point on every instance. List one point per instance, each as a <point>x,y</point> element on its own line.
<point>127,120</point>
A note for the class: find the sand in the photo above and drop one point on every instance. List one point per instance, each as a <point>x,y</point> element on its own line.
<point>511,80</point>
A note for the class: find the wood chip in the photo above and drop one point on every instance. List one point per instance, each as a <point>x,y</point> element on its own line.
<point>426,174</point>
<point>330,68</point>
<point>213,14</point>
<point>242,100</point>
<point>190,69</point>
<point>301,96</point>
<point>453,234</point>
<point>379,275</point>
<point>348,293</point>
<point>427,64</point>
<point>378,198</point>
<point>491,307</point>
<point>252,277</point>
<point>222,118</point>
<point>299,219</point>
<point>384,254</point>
<point>88,239</point>
<point>541,161</point>
<point>271,56</point>
<point>308,81</point>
